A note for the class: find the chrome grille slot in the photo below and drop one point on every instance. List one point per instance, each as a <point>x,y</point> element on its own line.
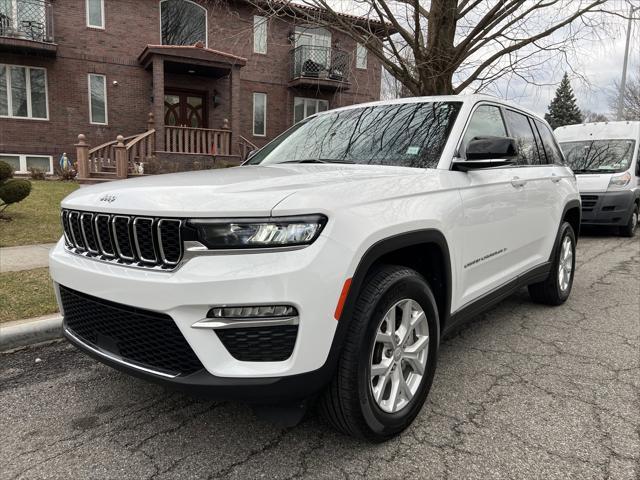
<point>88,233</point>
<point>122,237</point>
<point>104,235</point>
<point>170,241</point>
<point>143,239</point>
<point>76,230</point>
<point>145,242</point>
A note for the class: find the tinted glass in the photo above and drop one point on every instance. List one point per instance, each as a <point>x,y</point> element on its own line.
<point>409,135</point>
<point>183,23</point>
<point>486,121</point>
<point>603,156</point>
<point>550,145</point>
<point>520,129</point>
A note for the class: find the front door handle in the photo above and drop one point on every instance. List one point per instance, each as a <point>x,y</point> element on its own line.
<point>518,182</point>
<point>555,178</point>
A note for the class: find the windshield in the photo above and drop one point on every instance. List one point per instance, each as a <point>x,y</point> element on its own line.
<point>408,135</point>
<point>599,156</point>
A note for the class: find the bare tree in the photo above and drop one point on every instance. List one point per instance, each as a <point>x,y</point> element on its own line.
<point>631,100</point>
<point>448,46</point>
<point>590,116</point>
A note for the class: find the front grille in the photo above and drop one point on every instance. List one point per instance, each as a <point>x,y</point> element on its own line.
<point>589,202</point>
<point>149,339</point>
<point>141,241</point>
<point>260,344</point>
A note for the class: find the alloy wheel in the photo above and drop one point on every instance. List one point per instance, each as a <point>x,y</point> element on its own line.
<point>399,355</point>
<point>565,264</point>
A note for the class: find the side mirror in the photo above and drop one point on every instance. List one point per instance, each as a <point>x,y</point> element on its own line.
<point>251,154</point>
<point>487,152</point>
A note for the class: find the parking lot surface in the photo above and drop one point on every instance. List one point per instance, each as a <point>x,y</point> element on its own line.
<point>523,391</point>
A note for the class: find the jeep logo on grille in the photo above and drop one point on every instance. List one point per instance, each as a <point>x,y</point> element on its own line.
<point>108,198</point>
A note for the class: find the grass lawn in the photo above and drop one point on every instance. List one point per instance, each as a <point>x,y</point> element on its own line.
<point>37,218</point>
<point>26,294</point>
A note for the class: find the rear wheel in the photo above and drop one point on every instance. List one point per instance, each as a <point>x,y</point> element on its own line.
<point>629,230</point>
<point>389,358</point>
<point>556,288</point>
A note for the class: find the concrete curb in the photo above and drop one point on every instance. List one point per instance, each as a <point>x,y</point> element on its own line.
<point>22,333</point>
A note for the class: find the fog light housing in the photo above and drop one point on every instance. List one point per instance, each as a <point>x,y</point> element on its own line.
<point>256,311</point>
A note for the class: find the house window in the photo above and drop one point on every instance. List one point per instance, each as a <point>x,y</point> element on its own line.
<point>23,92</point>
<point>304,107</point>
<point>95,13</point>
<point>183,22</point>
<point>259,34</point>
<point>22,163</point>
<point>98,99</point>
<point>361,56</point>
<point>259,114</point>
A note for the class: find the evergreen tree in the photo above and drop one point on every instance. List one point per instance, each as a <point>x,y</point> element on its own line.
<point>563,109</point>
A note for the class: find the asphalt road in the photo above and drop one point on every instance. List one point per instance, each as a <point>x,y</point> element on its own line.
<point>524,391</point>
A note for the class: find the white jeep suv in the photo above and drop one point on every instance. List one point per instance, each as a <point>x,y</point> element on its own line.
<point>328,266</point>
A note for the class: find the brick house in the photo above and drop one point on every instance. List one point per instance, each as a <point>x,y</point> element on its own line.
<point>186,83</point>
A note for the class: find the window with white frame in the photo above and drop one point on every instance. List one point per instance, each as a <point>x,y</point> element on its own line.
<point>95,13</point>
<point>304,107</point>
<point>361,56</point>
<point>259,114</point>
<point>259,34</point>
<point>182,22</point>
<point>98,99</point>
<point>21,163</point>
<point>23,92</point>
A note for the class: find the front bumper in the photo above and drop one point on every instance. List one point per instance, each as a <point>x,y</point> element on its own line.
<point>607,208</point>
<point>309,279</point>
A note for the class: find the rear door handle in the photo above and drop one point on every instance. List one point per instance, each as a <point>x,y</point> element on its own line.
<point>518,182</point>
<point>555,178</point>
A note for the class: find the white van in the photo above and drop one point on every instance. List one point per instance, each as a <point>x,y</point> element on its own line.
<point>604,157</point>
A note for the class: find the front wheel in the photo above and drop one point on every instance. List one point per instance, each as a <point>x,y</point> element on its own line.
<point>556,288</point>
<point>389,358</point>
<point>629,230</point>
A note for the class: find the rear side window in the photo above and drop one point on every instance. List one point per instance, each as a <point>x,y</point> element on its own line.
<point>551,148</point>
<point>520,128</point>
<point>486,121</point>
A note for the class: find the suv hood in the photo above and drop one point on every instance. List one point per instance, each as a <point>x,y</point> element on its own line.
<point>240,191</point>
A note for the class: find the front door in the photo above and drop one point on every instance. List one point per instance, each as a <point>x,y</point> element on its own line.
<point>185,109</point>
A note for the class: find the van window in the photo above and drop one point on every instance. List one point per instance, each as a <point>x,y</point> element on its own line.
<point>520,129</point>
<point>599,156</point>
<point>554,155</point>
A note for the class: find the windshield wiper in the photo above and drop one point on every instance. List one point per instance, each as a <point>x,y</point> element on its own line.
<point>595,170</point>
<point>318,160</point>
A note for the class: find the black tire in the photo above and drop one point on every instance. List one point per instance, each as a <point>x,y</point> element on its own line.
<point>348,402</point>
<point>629,230</point>
<point>549,291</point>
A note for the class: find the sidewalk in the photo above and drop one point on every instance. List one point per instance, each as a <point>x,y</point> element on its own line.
<point>25,257</point>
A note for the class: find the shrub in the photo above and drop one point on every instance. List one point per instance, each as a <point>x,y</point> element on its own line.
<point>14,191</point>
<point>66,173</point>
<point>37,173</point>
<point>6,171</point>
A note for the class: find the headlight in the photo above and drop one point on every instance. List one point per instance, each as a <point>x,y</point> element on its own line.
<point>619,181</point>
<point>258,233</point>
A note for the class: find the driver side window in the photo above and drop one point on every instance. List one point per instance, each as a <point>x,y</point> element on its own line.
<point>486,121</point>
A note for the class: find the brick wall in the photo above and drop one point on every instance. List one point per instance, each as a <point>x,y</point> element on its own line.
<point>129,26</point>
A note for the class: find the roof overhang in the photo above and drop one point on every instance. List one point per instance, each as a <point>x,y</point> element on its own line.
<point>185,55</point>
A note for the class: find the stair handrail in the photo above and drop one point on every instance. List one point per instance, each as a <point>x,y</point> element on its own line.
<point>246,147</point>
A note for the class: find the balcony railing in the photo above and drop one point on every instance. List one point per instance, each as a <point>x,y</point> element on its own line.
<point>27,20</point>
<point>319,62</point>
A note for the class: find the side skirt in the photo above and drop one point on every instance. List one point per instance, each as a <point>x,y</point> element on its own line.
<point>471,310</point>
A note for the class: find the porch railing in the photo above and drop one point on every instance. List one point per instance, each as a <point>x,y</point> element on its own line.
<point>27,19</point>
<point>319,62</point>
<point>204,141</point>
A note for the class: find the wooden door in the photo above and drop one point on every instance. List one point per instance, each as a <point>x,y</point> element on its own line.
<point>185,109</point>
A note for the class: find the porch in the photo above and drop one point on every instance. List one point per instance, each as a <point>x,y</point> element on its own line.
<point>187,129</point>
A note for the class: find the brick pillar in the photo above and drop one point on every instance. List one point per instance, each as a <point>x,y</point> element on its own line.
<point>158,101</point>
<point>82,157</point>
<point>234,87</point>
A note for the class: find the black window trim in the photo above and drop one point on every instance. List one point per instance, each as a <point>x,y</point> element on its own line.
<point>535,132</point>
